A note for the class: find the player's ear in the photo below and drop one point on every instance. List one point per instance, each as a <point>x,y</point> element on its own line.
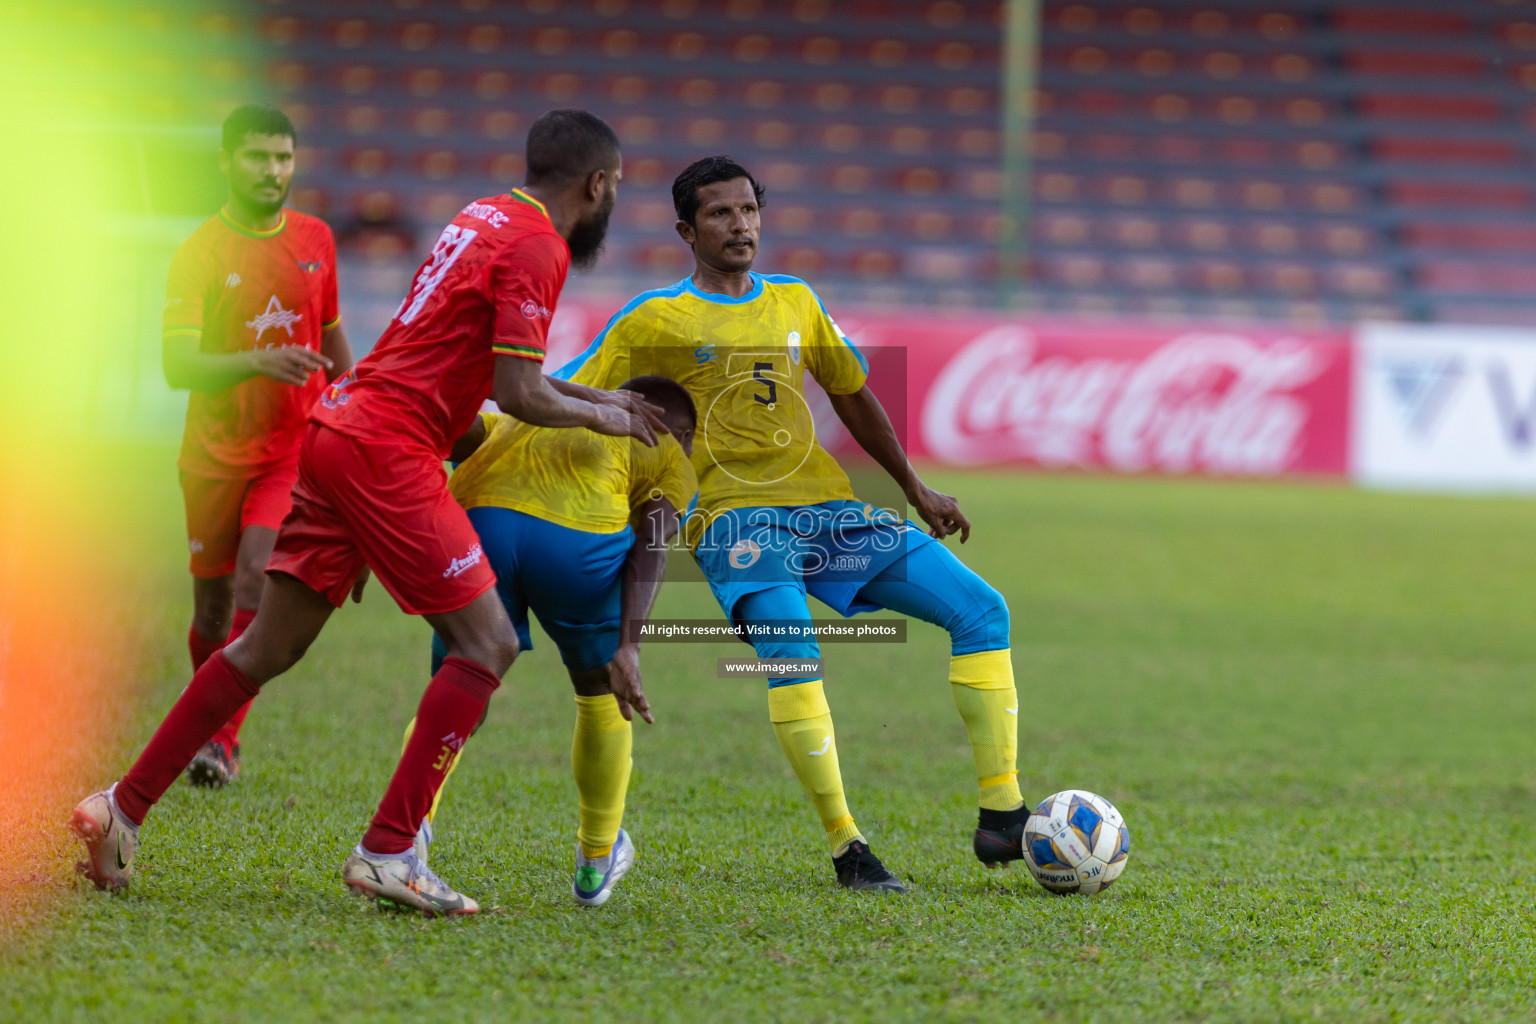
<point>686,232</point>
<point>224,161</point>
<point>597,183</point>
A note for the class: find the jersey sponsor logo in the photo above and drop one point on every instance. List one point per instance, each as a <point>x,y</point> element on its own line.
<point>704,354</point>
<point>233,280</point>
<point>533,311</point>
<point>309,266</point>
<point>486,212</point>
<point>446,251</point>
<point>744,554</point>
<point>274,316</point>
<point>459,566</point>
<point>335,395</point>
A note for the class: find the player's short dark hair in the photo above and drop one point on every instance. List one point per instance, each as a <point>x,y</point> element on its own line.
<point>258,119</point>
<point>685,187</point>
<point>665,392</point>
<point>567,145</point>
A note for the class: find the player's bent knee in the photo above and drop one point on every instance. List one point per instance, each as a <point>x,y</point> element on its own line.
<point>981,621</point>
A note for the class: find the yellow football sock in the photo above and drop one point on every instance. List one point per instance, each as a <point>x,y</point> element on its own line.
<point>600,761</point>
<point>453,766</point>
<point>982,685</point>
<point>803,723</point>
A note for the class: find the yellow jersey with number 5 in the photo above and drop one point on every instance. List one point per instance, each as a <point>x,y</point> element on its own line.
<point>744,361</point>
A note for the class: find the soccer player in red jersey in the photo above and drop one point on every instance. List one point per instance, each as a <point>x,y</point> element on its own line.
<point>251,328</point>
<point>372,494</point>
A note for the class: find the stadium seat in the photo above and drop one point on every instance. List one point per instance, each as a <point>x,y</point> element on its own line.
<point>367,161</point>
<point>350,33</point>
<point>484,39</point>
<point>362,119</point>
<point>430,122</point>
<point>357,79</point>
<point>416,36</point>
<point>1460,194</point>
<point>1461,151</point>
<point>1430,106</point>
<point>498,124</point>
<point>1400,21</point>
<point>1416,63</point>
<point>423,82</point>
<point>856,222</point>
<point>505,167</point>
<point>437,164</point>
<point>491,84</point>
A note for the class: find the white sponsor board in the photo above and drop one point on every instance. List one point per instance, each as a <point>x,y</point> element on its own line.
<point>1441,407</point>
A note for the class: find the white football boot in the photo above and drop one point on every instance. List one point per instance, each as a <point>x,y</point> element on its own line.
<point>596,876</point>
<point>405,881</point>
<point>110,840</point>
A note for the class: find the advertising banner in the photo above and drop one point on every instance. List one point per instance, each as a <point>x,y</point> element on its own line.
<point>1070,394</point>
<point>1445,408</point>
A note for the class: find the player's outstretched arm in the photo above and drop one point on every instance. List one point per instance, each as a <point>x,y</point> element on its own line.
<point>189,369</point>
<point>865,418</point>
<point>521,390</point>
<point>655,523</point>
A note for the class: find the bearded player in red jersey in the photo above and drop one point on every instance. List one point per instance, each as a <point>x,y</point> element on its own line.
<point>372,494</point>
<point>251,328</point>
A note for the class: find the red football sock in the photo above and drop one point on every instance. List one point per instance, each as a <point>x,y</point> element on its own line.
<point>229,735</point>
<point>216,692</point>
<point>201,647</point>
<point>449,712</point>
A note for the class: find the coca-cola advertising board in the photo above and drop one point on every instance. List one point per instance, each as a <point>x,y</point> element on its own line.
<point>1445,408</point>
<point>1070,394</point>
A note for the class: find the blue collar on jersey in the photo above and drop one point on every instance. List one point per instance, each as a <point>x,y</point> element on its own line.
<point>725,300</point>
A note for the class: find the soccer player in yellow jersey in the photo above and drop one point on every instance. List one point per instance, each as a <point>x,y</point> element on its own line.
<point>777,518</point>
<point>575,525</point>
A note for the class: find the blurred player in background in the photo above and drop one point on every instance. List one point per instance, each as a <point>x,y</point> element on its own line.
<point>777,517</point>
<point>576,525</point>
<point>372,495</point>
<point>251,328</point>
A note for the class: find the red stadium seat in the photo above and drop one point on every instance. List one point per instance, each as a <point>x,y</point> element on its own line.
<point>619,43</point>
<point>697,91</point>
<point>1133,232</point>
<point>1051,187</point>
<point>282,30</point>
<point>886,53</point>
<point>561,87</point>
<point>1342,239</point>
<point>909,140</point>
<point>938,263</point>
<point>1273,237</point>
<point>874,263</point>
<point>350,33</point>
<point>1456,194</point>
<point>1430,149</point>
<point>1221,276</point>
<point>645,172</point>
<point>931,225</point>
<point>310,199</point>
<point>491,84</point>
<point>424,81</point>
<point>1481,237</point>
<point>1147,273</point>
<point>1287,278</point>
<point>484,39</point>
<point>1205,234</point>
<point>1111,146</point>
<point>361,119</point>
<point>753,48</point>
<point>1421,106</point>
<point>763,94</point>
<point>920,181</point>
<point>1359,279</point>
<point>1417,63</point>
<point>650,215</point>
<point>804,261</point>
<point>288,76</point>
<point>1332,197</point>
<point>507,166</point>
<point>851,179</point>
<point>498,124</point>
<point>357,79</point>
<point>786,176</point>
<point>437,164</point>
<point>367,161</point>
<point>430,122</point>
<point>439,206</point>
<point>705,132</point>
<point>416,36</point>
<point>1398,20</point>
<point>1065,229</point>
<point>552,41</point>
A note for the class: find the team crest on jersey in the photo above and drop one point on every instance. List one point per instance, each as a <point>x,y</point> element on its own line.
<point>335,396</point>
<point>744,554</point>
<point>232,281</point>
<point>309,266</point>
<point>274,316</point>
<point>794,347</point>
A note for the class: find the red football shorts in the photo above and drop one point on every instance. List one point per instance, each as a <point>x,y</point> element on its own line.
<point>219,510</point>
<point>384,507</point>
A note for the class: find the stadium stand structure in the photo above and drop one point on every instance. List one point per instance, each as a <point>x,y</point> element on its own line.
<point>1293,160</point>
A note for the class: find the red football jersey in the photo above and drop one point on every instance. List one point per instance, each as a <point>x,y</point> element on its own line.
<point>488,289</point>
<point>237,289</point>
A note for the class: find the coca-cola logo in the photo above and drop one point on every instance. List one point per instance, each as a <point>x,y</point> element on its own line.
<point>1208,401</point>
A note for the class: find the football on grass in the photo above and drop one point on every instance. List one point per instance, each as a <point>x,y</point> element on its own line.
<point>1075,841</point>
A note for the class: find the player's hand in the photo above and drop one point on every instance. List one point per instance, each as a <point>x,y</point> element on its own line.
<point>631,417</point>
<point>624,679</point>
<point>357,588</point>
<point>940,511</point>
<point>291,364</point>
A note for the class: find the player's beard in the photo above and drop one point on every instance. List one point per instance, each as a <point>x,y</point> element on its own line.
<point>267,207</point>
<point>588,236</point>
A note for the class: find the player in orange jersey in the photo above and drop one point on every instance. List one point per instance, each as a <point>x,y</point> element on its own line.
<point>251,328</point>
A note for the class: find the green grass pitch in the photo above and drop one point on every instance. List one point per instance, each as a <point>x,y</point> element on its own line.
<point>1313,705</point>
